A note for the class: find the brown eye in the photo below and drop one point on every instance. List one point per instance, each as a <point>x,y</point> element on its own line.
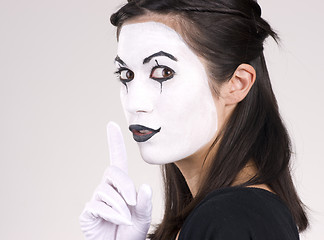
<point>130,75</point>
<point>166,72</point>
<point>126,75</point>
<point>162,72</point>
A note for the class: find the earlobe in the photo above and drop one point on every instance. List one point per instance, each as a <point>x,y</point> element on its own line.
<point>240,84</point>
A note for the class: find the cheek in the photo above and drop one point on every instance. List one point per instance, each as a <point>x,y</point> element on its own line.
<point>186,97</point>
<point>190,113</point>
<point>174,107</point>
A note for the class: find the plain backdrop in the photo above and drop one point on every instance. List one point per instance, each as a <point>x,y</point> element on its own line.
<point>58,91</point>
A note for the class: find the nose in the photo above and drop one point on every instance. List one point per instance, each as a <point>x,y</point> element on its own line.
<point>139,98</point>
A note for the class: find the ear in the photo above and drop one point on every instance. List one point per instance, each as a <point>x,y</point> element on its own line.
<point>240,84</point>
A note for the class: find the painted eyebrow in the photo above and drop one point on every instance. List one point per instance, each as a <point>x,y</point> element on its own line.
<point>161,53</point>
<point>117,59</point>
<point>148,59</point>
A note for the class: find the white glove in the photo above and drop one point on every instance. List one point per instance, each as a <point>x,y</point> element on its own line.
<point>116,211</point>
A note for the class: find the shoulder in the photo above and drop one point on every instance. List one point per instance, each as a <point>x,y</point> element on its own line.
<point>238,213</point>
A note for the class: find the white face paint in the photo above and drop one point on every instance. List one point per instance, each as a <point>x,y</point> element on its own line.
<point>166,99</point>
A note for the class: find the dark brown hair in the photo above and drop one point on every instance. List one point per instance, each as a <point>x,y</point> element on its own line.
<point>227,33</point>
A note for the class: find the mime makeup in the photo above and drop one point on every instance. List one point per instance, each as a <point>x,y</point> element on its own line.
<point>165,93</point>
<point>159,73</point>
<point>142,133</point>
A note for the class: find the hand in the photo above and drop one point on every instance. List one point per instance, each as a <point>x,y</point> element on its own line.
<point>116,211</point>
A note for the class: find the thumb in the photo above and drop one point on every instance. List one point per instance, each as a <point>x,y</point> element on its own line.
<point>143,208</point>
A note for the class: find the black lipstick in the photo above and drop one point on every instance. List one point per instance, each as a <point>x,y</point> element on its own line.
<point>141,133</point>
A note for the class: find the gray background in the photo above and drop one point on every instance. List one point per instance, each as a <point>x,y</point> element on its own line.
<point>58,92</point>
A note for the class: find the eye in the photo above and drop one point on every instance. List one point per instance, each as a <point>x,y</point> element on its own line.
<point>162,73</point>
<point>125,75</point>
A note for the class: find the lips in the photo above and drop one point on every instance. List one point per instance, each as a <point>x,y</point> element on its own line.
<point>142,133</point>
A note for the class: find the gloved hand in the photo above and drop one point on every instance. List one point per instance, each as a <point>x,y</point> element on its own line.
<point>116,211</point>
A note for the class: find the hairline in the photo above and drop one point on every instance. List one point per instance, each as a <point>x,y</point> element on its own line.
<point>178,22</point>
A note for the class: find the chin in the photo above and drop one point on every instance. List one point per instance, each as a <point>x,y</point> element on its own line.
<point>160,156</point>
<point>155,159</point>
<point>153,155</point>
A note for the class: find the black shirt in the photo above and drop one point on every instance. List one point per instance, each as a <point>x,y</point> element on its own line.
<point>238,213</point>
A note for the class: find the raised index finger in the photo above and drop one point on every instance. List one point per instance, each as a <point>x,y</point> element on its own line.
<point>117,150</point>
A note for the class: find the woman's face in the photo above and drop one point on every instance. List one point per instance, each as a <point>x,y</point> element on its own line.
<point>164,92</point>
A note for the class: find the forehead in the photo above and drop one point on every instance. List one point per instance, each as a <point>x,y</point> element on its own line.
<point>149,37</point>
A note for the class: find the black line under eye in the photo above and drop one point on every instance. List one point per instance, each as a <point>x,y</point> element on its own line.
<point>125,75</point>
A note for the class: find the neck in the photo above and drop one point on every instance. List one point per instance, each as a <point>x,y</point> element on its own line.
<point>191,171</point>
<point>192,168</point>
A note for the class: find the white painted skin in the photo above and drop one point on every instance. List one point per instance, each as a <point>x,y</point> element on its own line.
<point>184,108</point>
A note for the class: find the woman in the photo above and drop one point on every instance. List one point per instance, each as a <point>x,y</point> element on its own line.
<point>199,102</point>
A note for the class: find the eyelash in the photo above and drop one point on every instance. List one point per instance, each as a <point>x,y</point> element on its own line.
<point>160,80</point>
<point>119,72</point>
